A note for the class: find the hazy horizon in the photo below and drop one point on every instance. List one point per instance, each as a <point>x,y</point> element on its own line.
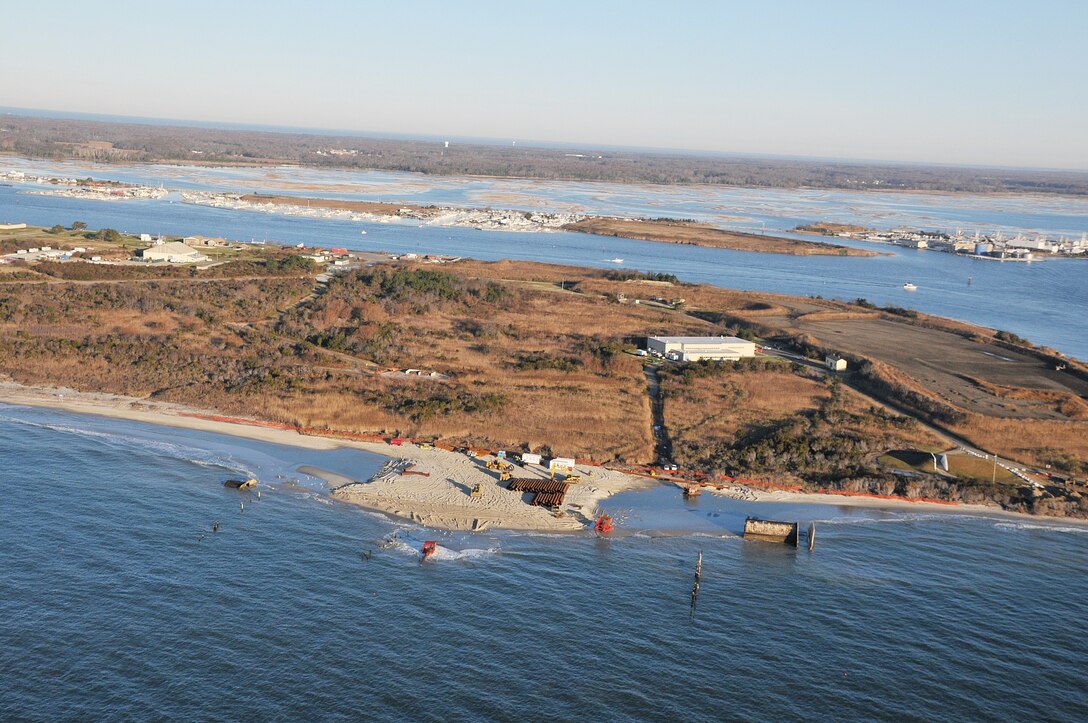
<point>527,143</point>
<point>963,84</point>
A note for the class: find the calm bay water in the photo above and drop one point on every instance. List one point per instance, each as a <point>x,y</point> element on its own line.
<point>117,600</point>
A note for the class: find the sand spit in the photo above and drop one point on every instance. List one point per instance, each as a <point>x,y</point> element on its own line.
<point>433,487</point>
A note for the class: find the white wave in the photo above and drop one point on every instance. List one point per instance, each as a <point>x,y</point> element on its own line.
<point>445,553</point>
<point>1041,526</point>
<point>899,518</point>
<point>184,453</point>
<point>441,553</point>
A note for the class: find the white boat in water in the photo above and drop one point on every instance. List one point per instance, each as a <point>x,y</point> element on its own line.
<point>363,232</point>
<point>616,261</point>
<point>909,287</point>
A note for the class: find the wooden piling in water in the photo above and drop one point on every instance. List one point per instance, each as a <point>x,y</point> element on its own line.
<point>811,536</point>
<point>695,586</point>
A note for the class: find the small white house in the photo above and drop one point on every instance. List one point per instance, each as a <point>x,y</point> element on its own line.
<point>835,363</point>
<point>529,458</point>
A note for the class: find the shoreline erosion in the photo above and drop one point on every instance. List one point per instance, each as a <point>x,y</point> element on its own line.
<point>430,486</point>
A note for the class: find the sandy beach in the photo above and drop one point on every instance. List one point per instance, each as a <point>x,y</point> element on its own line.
<point>436,495</point>
<point>431,486</point>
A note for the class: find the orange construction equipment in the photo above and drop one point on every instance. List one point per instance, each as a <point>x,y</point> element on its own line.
<point>428,549</point>
<point>603,525</point>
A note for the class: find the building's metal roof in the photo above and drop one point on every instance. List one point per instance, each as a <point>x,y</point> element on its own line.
<point>701,340</point>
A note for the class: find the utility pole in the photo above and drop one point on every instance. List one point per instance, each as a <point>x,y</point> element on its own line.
<point>993,480</point>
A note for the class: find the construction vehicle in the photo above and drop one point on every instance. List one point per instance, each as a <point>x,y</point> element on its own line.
<point>504,475</point>
<point>573,478</point>
<point>477,490</point>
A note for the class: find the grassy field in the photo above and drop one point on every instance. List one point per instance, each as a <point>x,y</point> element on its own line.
<point>960,465</point>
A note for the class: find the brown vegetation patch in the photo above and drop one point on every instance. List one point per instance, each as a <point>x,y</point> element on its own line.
<point>380,209</point>
<point>537,358</point>
<point>1066,403</point>
<point>1037,442</point>
<point>777,421</point>
<point>701,234</point>
<point>827,228</point>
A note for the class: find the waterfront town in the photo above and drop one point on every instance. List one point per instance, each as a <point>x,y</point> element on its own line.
<point>999,246</point>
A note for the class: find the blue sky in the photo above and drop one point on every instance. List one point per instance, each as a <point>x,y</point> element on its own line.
<point>993,83</point>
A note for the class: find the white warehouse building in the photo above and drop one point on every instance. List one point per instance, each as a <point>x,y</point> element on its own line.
<point>174,252</point>
<point>694,348</point>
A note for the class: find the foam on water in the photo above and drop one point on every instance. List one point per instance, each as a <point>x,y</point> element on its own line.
<point>1051,527</point>
<point>183,453</point>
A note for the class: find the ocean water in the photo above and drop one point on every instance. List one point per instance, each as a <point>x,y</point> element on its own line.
<point>118,601</point>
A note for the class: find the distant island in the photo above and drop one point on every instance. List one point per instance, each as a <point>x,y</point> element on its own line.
<point>661,230</point>
<point>978,245</point>
<point>106,142</point>
<point>534,358</point>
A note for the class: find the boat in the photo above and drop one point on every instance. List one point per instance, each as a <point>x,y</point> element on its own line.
<point>604,525</point>
<point>363,232</point>
<point>241,484</point>
<point>429,548</point>
<point>909,287</point>
<point>616,261</point>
